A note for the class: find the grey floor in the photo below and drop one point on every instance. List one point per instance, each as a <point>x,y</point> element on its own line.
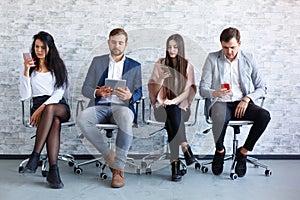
<point>282,184</point>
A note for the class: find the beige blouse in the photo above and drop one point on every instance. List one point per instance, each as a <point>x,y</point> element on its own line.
<point>156,90</point>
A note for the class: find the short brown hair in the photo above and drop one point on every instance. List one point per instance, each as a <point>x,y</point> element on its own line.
<point>229,33</point>
<point>119,31</point>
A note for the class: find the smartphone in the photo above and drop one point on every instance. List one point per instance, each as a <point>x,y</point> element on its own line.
<point>27,55</point>
<point>226,86</point>
<point>165,68</point>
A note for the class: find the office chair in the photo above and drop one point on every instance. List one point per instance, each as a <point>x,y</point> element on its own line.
<point>151,158</point>
<point>99,161</point>
<point>236,125</point>
<point>43,158</point>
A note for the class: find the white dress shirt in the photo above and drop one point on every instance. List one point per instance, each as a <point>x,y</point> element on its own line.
<point>231,76</point>
<point>115,71</point>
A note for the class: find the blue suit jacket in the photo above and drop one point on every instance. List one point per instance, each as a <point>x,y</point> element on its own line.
<point>251,81</point>
<point>98,71</point>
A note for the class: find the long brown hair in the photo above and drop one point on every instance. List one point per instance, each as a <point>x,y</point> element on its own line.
<point>178,68</point>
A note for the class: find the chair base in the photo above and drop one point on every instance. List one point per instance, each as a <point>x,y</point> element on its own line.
<point>44,162</point>
<point>150,159</point>
<point>250,159</point>
<point>100,163</point>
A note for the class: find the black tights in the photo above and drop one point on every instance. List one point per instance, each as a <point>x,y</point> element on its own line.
<point>48,130</point>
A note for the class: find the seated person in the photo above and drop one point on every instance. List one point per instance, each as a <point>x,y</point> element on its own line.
<point>171,90</point>
<point>112,106</point>
<point>45,79</point>
<point>240,70</point>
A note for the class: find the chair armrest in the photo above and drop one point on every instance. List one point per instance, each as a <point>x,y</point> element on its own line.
<point>26,124</point>
<point>143,110</point>
<point>262,101</point>
<point>192,123</point>
<point>79,106</point>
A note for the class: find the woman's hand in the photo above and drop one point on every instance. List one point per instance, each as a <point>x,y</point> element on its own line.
<point>168,102</point>
<point>164,72</point>
<point>28,63</point>
<point>36,116</point>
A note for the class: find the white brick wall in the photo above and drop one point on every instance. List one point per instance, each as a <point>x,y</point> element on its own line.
<point>270,29</point>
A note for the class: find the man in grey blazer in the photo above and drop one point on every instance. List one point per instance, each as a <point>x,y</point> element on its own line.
<point>112,105</point>
<point>231,83</point>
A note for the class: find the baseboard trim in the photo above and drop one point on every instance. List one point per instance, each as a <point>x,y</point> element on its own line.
<point>140,156</point>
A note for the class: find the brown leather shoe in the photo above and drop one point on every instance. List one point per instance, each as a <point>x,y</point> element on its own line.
<point>118,179</point>
<point>110,159</point>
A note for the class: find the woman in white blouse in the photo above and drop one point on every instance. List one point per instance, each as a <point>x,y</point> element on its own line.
<point>45,80</point>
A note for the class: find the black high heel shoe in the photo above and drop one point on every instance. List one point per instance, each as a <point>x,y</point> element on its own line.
<point>53,178</point>
<point>32,163</point>
<point>188,155</point>
<point>176,173</point>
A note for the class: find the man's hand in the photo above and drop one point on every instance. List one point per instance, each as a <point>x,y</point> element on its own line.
<point>103,91</point>
<point>123,93</point>
<point>241,108</point>
<point>221,93</point>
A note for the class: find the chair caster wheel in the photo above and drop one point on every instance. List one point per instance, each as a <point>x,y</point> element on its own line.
<point>148,171</point>
<point>143,164</point>
<point>21,168</point>
<point>77,170</point>
<point>233,176</point>
<point>197,166</point>
<point>268,172</point>
<point>98,164</point>
<point>183,172</point>
<point>138,171</point>
<point>45,173</point>
<point>204,169</point>
<point>103,176</point>
<point>70,163</point>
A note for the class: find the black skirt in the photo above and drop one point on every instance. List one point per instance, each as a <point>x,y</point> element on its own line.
<point>38,101</point>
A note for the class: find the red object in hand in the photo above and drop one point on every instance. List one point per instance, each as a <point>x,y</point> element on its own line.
<point>226,86</point>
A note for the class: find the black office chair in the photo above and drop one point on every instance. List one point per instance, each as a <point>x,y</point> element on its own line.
<point>151,158</point>
<point>43,163</point>
<point>236,125</point>
<point>99,161</point>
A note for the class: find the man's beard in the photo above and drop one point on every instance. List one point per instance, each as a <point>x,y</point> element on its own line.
<point>116,53</point>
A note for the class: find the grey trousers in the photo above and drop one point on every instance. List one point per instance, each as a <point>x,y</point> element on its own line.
<point>116,114</point>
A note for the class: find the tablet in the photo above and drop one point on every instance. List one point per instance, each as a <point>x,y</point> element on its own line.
<point>114,83</point>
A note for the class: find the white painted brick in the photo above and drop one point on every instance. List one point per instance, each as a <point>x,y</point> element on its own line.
<point>271,29</point>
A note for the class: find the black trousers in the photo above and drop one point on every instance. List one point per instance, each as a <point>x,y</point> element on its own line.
<point>222,112</point>
<point>175,118</point>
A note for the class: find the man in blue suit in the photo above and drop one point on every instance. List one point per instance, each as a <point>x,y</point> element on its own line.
<point>231,82</point>
<point>112,105</point>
